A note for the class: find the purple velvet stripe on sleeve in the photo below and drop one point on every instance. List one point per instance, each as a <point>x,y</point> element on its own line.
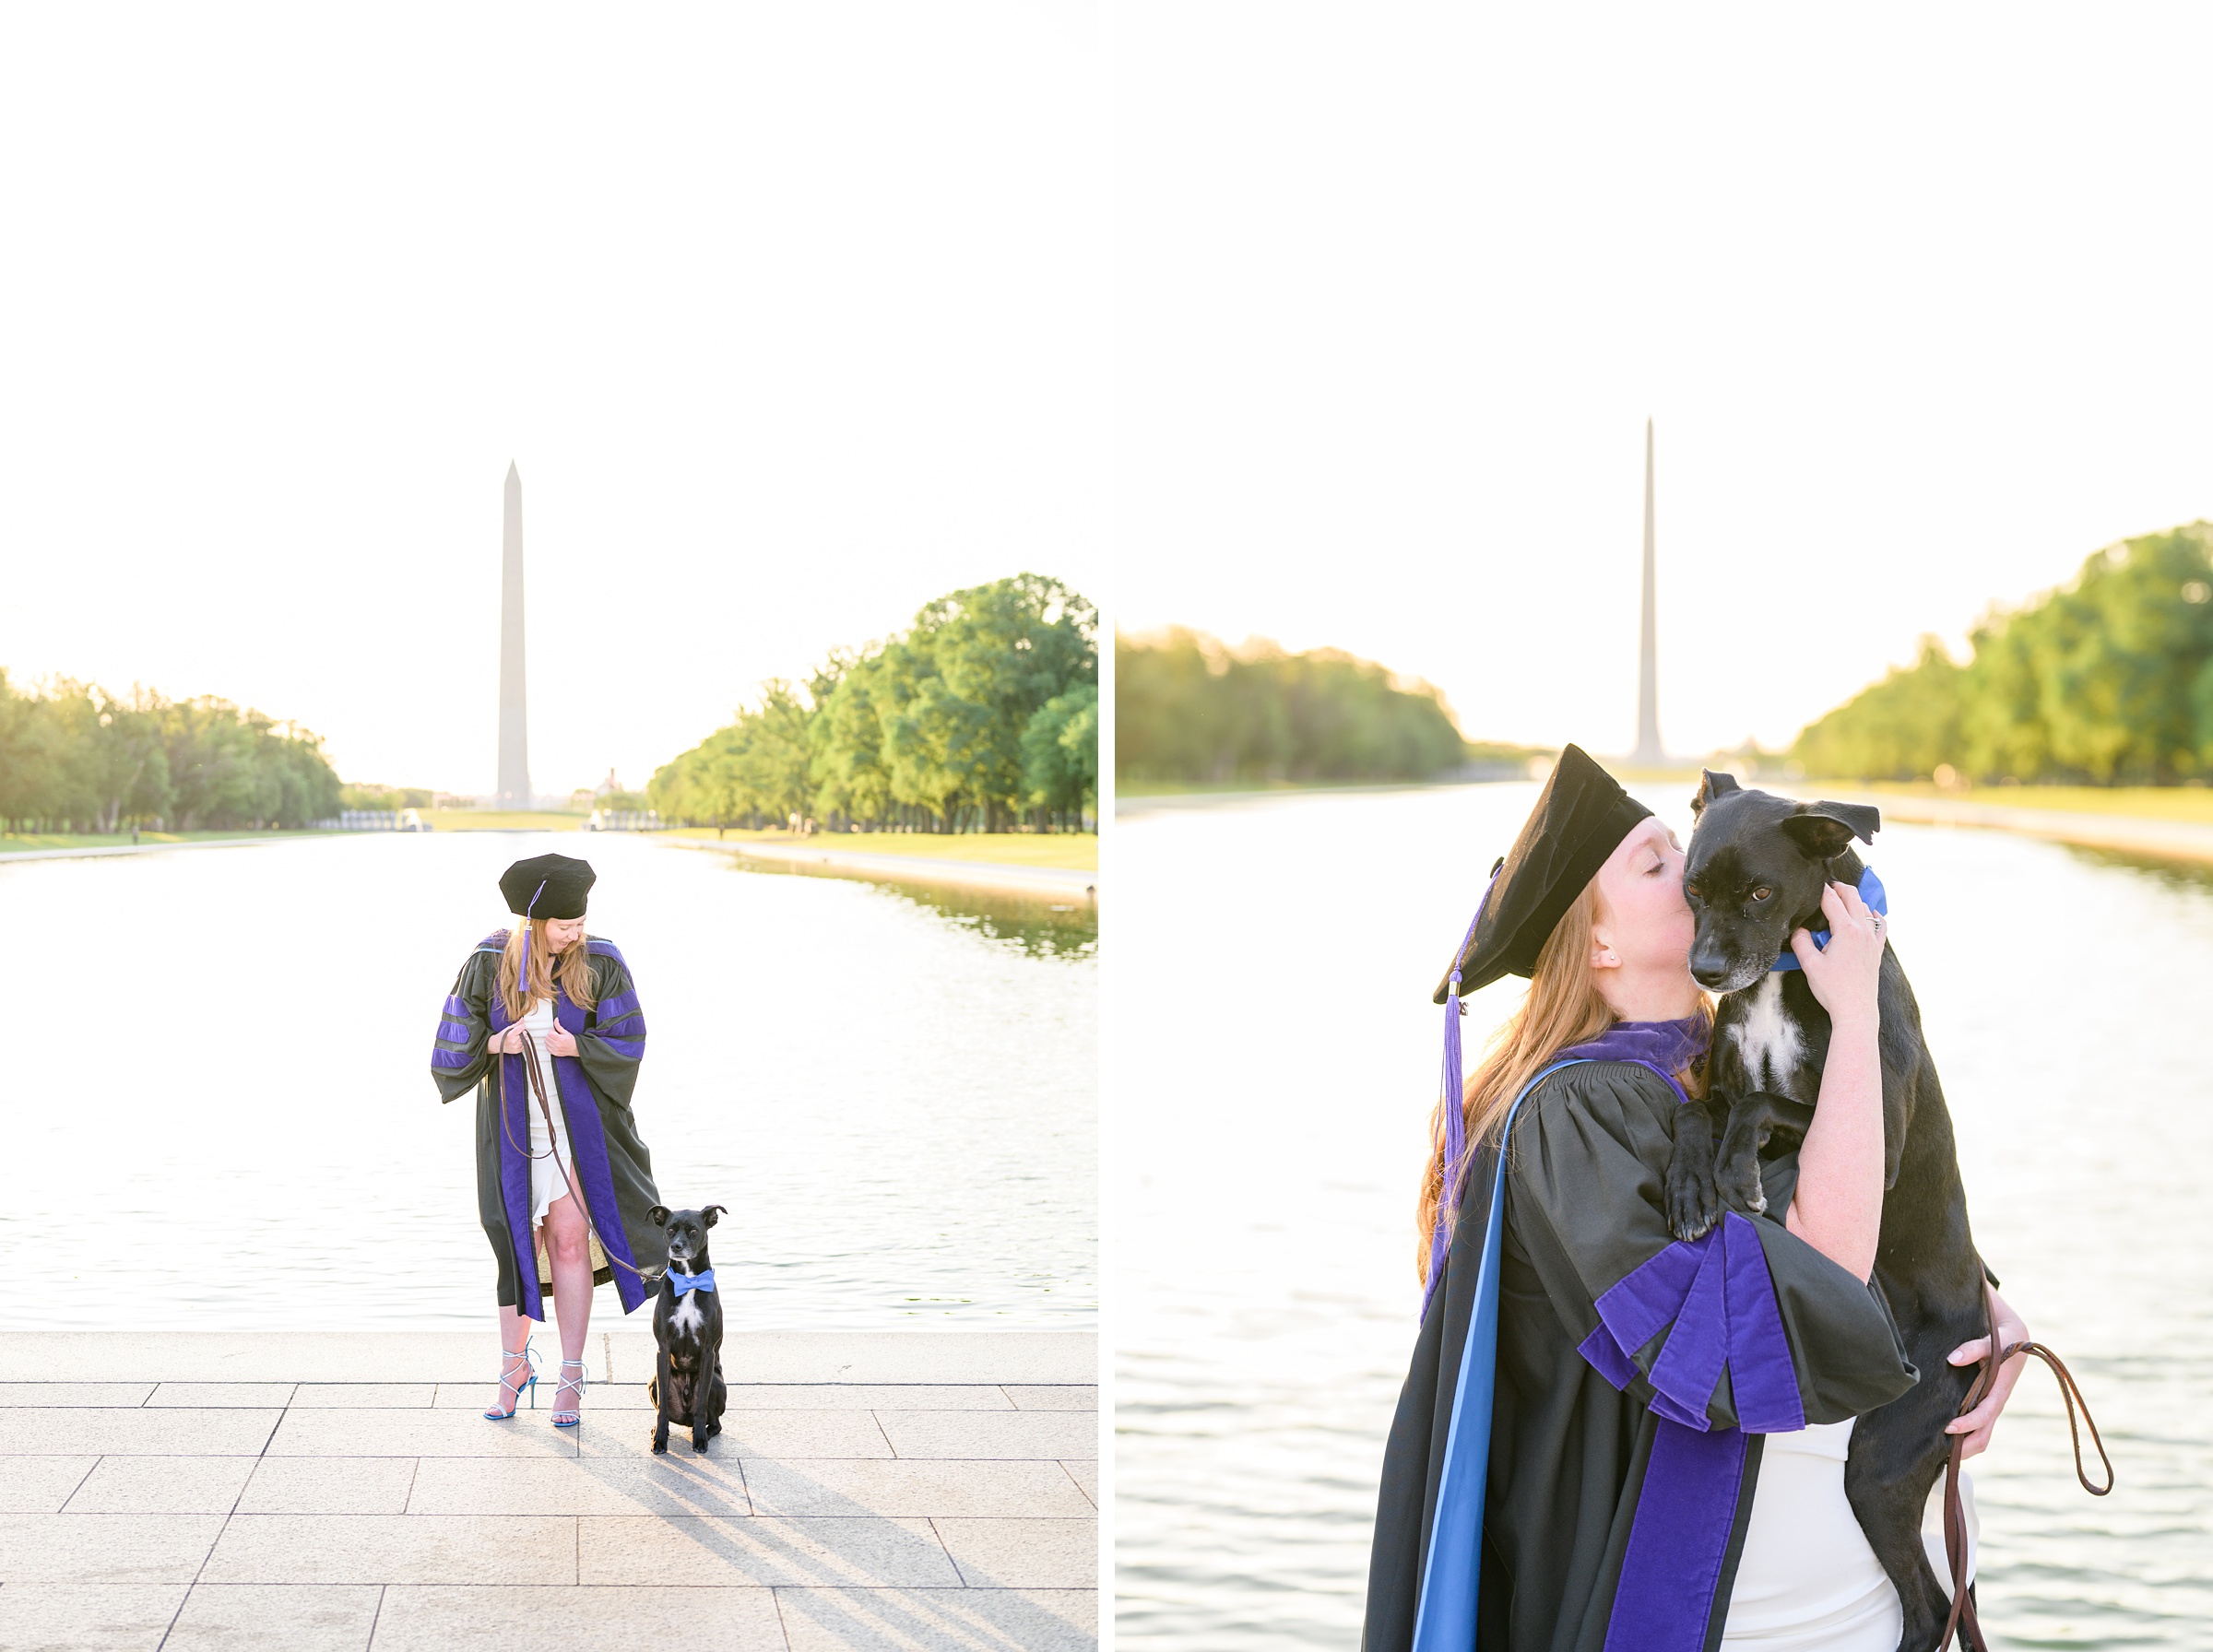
<point>1689,1366</point>
<point>450,1057</point>
<point>1760,1371</point>
<point>616,1008</point>
<point>456,1007</point>
<point>1605,1357</point>
<point>1716,1293</point>
<point>628,1049</point>
<point>1645,1302</point>
<point>456,1031</point>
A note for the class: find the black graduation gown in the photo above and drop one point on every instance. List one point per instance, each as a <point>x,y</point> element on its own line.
<point>611,1159</point>
<point>1568,1451</point>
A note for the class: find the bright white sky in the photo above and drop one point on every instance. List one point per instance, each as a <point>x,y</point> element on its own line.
<point>793,316</point>
<point>1918,296</point>
<point>796,317</point>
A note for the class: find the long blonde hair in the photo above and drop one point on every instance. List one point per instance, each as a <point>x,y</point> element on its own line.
<point>1563,1007</point>
<point>574,968</point>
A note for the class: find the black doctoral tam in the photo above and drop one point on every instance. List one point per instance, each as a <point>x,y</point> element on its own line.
<point>1581,817</point>
<point>548,886</point>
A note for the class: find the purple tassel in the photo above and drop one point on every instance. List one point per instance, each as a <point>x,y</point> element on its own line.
<point>1456,1127</point>
<point>522,985</point>
<point>1456,1137</point>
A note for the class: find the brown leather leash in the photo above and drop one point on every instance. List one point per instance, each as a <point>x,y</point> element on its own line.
<point>537,1088</point>
<point>1955,1515</point>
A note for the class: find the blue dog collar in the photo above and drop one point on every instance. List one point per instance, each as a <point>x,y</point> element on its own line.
<point>683,1284</point>
<point>1871,891</point>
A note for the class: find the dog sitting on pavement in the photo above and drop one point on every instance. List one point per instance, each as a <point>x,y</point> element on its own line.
<point>1755,872</point>
<point>687,1384</point>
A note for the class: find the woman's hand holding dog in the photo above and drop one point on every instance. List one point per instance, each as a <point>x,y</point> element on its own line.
<point>1838,1208</point>
<point>1844,976</point>
<point>1978,1423</point>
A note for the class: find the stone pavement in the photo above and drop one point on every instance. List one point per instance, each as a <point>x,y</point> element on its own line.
<point>924,1492</point>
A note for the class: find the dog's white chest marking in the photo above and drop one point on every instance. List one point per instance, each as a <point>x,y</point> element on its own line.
<point>687,1317</point>
<point>1768,1041</point>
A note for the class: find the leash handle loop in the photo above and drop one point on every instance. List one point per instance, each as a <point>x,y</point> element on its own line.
<point>1963,1617</point>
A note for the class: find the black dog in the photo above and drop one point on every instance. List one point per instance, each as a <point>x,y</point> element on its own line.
<point>687,1384</point>
<point>1755,872</point>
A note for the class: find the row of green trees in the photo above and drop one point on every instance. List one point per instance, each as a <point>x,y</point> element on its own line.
<point>981,716</point>
<point>74,757</point>
<point>388,799</point>
<point>1187,708</point>
<point>2106,680</point>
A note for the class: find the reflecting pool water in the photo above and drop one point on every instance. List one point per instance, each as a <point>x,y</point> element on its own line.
<point>221,1086</point>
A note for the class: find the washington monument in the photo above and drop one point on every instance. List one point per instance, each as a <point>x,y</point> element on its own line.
<point>515,718</point>
<point>1649,753</point>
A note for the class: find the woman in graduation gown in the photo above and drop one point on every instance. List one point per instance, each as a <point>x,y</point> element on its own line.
<point>573,994</point>
<point>1609,1503</point>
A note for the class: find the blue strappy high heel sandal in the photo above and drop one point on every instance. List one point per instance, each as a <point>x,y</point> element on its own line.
<point>507,1381</point>
<point>569,1417</point>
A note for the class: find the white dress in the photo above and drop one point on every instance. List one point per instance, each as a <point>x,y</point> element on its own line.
<point>546,1182</point>
<point>1808,1582</point>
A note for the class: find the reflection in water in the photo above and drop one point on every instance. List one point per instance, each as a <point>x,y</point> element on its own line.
<point>1038,926</point>
<point>896,1103</point>
<point>1265,1287</point>
<point>2178,875</point>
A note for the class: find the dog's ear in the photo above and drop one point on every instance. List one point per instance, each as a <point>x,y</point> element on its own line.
<point>1822,829</point>
<point>1712,785</point>
<point>659,1216</point>
<point>711,1213</point>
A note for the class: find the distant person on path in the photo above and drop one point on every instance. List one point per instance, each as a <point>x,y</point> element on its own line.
<point>572,996</point>
<point>1631,1490</point>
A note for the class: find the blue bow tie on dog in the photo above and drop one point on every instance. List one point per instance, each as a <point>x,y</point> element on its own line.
<point>683,1284</point>
<point>1871,891</point>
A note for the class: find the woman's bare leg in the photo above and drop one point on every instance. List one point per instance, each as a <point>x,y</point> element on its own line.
<point>569,1245</point>
<point>514,1330</point>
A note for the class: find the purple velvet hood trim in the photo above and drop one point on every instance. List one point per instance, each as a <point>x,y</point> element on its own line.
<point>1667,1047</point>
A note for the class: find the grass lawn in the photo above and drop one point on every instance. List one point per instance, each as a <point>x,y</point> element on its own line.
<point>1072,851</point>
<point>13,842</point>
<point>2193,803</point>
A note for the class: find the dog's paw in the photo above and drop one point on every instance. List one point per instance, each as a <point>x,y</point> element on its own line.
<point>1736,1178</point>
<point>660,1448</point>
<point>699,1447</point>
<point>1693,1202</point>
<point>1736,1164</point>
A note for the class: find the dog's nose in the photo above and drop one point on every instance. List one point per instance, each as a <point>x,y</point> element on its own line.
<point>1710,969</point>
